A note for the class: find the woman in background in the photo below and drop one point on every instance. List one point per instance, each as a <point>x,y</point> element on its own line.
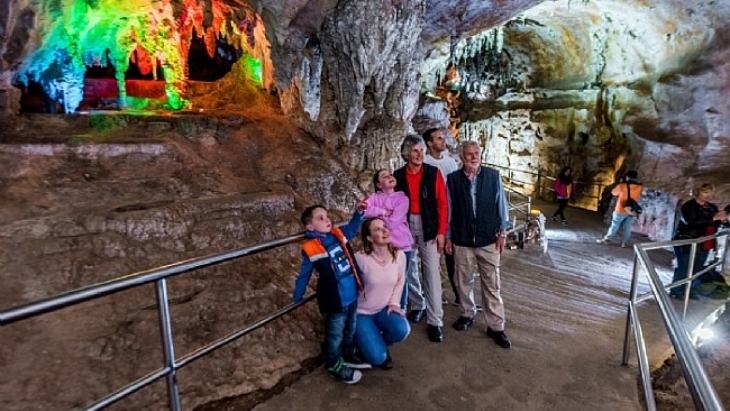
<point>698,218</point>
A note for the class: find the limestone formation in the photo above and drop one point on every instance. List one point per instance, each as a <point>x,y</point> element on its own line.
<point>144,165</point>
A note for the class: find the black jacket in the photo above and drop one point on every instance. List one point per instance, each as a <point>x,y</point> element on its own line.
<point>426,198</point>
<point>695,219</point>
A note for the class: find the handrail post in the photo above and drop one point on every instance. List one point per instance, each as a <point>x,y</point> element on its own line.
<point>632,300</point>
<point>168,347</point>
<point>690,273</point>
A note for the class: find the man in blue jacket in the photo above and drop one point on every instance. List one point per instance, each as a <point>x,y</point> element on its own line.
<point>477,230</point>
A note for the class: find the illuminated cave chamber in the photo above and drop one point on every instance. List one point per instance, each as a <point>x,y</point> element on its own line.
<point>142,79</point>
<point>108,55</point>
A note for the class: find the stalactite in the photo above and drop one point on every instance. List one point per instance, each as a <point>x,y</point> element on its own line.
<point>362,56</point>
<point>310,77</point>
<point>77,33</point>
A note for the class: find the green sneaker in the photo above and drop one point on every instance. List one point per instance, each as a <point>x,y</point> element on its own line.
<point>342,372</point>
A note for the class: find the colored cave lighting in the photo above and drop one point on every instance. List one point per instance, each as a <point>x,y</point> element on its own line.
<point>79,33</point>
<point>254,69</point>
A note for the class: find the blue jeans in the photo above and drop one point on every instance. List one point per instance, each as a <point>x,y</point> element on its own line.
<point>623,222</point>
<point>404,296</point>
<point>683,255</point>
<point>339,333</point>
<point>378,331</point>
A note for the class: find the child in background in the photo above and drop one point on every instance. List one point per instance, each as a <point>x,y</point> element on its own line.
<point>329,252</point>
<point>564,187</point>
<point>392,207</point>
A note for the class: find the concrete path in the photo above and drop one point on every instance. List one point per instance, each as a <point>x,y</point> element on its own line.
<point>566,313</point>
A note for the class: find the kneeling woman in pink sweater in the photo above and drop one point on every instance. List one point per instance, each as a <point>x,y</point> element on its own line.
<point>380,320</point>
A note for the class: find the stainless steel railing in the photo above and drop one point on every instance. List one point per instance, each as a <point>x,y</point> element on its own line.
<point>588,193</point>
<point>171,364</point>
<point>703,393</point>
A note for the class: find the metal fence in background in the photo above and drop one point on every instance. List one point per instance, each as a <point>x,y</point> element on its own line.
<point>588,193</point>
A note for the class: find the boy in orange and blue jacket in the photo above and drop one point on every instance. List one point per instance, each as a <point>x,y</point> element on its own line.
<point>328,251</point>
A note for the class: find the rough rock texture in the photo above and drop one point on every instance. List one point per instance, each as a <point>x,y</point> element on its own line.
<point>601,85</point>
<point>84,206</point>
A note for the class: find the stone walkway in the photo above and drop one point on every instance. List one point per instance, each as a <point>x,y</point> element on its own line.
<point>566,313</point>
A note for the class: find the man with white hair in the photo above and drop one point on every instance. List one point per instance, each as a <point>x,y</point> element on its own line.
<point>477,233</point>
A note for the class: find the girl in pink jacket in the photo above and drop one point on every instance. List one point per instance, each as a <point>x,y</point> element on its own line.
<point>564,187</point>
<point>392,207</point>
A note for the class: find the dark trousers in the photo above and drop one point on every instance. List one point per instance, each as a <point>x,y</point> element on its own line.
<point>562,204</point>
<point>683,255</point>
<point>339,333</point>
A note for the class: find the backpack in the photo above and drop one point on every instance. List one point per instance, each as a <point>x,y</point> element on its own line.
<point>632,207</point>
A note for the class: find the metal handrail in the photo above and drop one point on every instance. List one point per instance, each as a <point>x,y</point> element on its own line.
<point>703,393</point>
<point>159,277</point>
<point>539,177</point>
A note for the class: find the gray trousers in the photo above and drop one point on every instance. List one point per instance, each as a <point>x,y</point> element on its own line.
<point>427,294</point>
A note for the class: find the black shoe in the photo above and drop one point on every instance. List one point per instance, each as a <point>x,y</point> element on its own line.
<point>462,323</point>
<point>434,333</point>
<point>388,363</point>
<point>415,315</point>
<point>343,373</point>
<point>680,296</point>
<point>499,337</point>
<point>355,361</point>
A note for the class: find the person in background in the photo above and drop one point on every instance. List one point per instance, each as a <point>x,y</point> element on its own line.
<point>438,156</point>
<point>392,207</point>
<point>328,251</point>
<point>698,218</point>
<point>622,219</point>
<point>564,187</point>
<point>428,219</point>
<point>477,235</point>
<point>380,320</point>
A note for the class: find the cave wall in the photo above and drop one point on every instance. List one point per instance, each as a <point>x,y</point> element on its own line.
<point>603,87</point>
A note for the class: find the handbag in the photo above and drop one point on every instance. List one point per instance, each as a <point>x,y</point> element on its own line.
<point>632,207</point>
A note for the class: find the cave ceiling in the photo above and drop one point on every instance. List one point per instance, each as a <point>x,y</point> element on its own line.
<point>348,71</point>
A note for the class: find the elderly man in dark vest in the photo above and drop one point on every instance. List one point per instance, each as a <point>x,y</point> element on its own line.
<point>477,230</point>
<point>428,221</point>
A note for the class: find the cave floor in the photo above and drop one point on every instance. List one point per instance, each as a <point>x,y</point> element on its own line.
<point>566,315</point>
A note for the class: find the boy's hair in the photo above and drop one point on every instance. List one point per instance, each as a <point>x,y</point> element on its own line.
<point>727,208</point>
<point>408,143</point>
<point>307,213</point>
<point>632,174</point>
<point>427,134</point>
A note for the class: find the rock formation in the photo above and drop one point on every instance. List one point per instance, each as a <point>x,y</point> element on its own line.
<point>310,98</point>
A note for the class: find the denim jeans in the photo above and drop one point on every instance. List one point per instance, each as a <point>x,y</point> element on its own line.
<point>683,255</point>
<point>623,222</point>
<point>339,333</point>
<point>378,331</point>
<point>409,265</point>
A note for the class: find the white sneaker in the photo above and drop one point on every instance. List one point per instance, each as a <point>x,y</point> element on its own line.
<point>603,240</point>
<point>624,245</point>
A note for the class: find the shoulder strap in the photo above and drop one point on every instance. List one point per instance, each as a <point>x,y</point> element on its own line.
<point>628,190</point>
